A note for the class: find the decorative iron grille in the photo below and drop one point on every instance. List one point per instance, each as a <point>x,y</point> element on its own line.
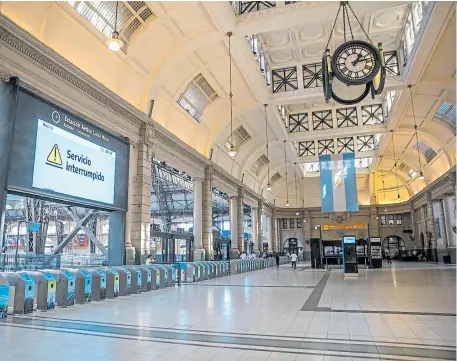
<point>312,75</point>
<point>345,145</point>
<point>372,114</point>
<point>306,148</point>
<point>322,120</point>
<point>346,117</point>
<point>298,122</point>
<point>365,143</point>
<point>284,79</point>
<point>325,146</point>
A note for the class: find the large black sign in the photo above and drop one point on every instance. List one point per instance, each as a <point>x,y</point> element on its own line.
<point>61,156</point>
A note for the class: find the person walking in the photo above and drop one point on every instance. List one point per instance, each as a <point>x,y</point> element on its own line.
<point>387,254</point>
<point>294,258</point>
<point>277,259</point>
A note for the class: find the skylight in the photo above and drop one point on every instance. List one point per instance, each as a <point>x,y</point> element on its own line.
<point>426,150</point>
<point>239,136</point>
<point>446,112</point>
<point>196,96</point>
<point>101,15</point>
<point>259,164</point>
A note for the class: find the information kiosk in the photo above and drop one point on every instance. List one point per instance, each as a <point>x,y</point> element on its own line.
<point>376,255</point>
<point>350,256</point>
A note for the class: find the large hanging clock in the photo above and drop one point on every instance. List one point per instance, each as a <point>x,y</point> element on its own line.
<point>356,62</point>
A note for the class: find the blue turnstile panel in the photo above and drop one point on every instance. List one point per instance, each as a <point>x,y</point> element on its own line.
<point>4,295</point>
<point>87,286</point>
<point>29,295</point>
<point>52,289</point>
<point>71,288</point>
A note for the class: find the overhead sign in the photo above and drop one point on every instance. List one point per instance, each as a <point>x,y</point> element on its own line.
<point>66,163</point>
<point>337,227</point>
<point>34,227</point>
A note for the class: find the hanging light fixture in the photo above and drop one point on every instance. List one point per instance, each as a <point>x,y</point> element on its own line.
<point>266,140</point>
<point>303,189</point>
<point>395,165</point>
<point>421,174</point>
<point>232,151</point>
<point>296,189</point>
<point>114,43</point>
<point>285,165</point>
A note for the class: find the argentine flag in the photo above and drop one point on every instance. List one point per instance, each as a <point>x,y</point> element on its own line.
<point>338,183</point>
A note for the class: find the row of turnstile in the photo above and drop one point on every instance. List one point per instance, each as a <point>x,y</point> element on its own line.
<point>24,292</point>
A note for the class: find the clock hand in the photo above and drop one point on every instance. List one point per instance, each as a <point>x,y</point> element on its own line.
<point>359,56</point>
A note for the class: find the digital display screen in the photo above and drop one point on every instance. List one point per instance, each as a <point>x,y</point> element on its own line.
<point>349,239</point>
<point>66,163</point>
<point>65,157</point>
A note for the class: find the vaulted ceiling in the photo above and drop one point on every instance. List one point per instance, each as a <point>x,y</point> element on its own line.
<point>176,55</point>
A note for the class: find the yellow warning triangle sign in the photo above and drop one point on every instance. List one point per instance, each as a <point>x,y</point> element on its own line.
<point>54,157</point>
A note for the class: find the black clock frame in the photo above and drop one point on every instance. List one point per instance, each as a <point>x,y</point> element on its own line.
<point>364,80</point>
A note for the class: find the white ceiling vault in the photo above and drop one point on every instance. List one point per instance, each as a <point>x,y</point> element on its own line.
<point>176,55</point>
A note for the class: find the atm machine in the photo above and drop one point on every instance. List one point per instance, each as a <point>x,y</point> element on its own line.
<point>350,256</point>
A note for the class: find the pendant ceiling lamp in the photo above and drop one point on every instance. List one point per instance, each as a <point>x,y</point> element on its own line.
<point>355,63</point>
<point>266,141</point>
<point>115,43</point>
<point>296,189</point>
<point>421,174</point>
<point>232,150</point>
<point>285,165</point>
<point>395,165</point>
<point>303,189</point>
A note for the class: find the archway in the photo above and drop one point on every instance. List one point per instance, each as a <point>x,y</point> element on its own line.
<point>394,244</point>
<point>293,245</point>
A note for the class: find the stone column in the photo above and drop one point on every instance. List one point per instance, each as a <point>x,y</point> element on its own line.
<point>259,226</point>
<point>240,219</point>
<point>199,252</point>
<point>234,227</point>
<point>414,224</point>
<point>307,236</point>
<point>207,213</point>
<point>255,230</point>
<point>140,207</point>
<point>374,222</point>
<point>272,233</point>
<point>430,226</point>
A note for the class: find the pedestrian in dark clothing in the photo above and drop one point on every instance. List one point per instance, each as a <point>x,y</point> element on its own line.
<point>277,260</point>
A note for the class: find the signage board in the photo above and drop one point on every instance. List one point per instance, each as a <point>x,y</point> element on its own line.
<point>376,252</point>
<point>34,227</point>
<point>375,239</point>
<point>63,156</point>
<point>349,239</point>
<point>337,227</point>
<point>68,164</point>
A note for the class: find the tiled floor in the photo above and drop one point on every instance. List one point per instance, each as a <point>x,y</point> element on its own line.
<point>406,312</point>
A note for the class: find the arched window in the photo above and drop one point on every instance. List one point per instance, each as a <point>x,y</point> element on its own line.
<point>447,113</point>
<point>426,151</point>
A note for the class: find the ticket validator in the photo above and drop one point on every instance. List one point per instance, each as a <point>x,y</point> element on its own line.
<point>350,256</point>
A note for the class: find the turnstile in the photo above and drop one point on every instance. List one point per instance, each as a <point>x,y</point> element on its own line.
<point>4,295</point>
<point>146,279</point>
<point>168,281</point>
<point>45,290</point>
<point>83,286</point>
<point>189,272</point>
<point>112,283</point>
<point>158,277</point>
<point>198,271</point>
<point>98,286</point>
<point>136,279</point>
<point>22,292</point>
<point>125,281</point>
<point>66,283</point>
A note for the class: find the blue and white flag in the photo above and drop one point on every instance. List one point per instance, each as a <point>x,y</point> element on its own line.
<point>338,183</point>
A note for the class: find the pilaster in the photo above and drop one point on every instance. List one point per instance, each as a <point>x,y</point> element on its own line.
<point>255,230</point>
<point>240,220</point>
<point>374,222</point>
<point>207,213</point>
<point>274,241</point>
<point>259,225</point>
<point>199,252</point>
<point>140,197</point>
<point>430,226</point>
<point>234,252</point>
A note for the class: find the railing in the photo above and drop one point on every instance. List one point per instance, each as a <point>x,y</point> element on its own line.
<point>12,262</point>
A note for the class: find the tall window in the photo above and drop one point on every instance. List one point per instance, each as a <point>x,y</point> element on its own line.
<point>399,219</point>
<point>292,223</point>
<point>284,223</point>
<point>383,220</point>
<point>299,223</point>
<point>391,219</point>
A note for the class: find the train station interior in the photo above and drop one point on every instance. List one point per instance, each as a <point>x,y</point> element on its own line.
<point>227,180</point>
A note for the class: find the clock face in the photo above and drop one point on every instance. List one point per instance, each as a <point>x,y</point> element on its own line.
<point>355,62</point>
